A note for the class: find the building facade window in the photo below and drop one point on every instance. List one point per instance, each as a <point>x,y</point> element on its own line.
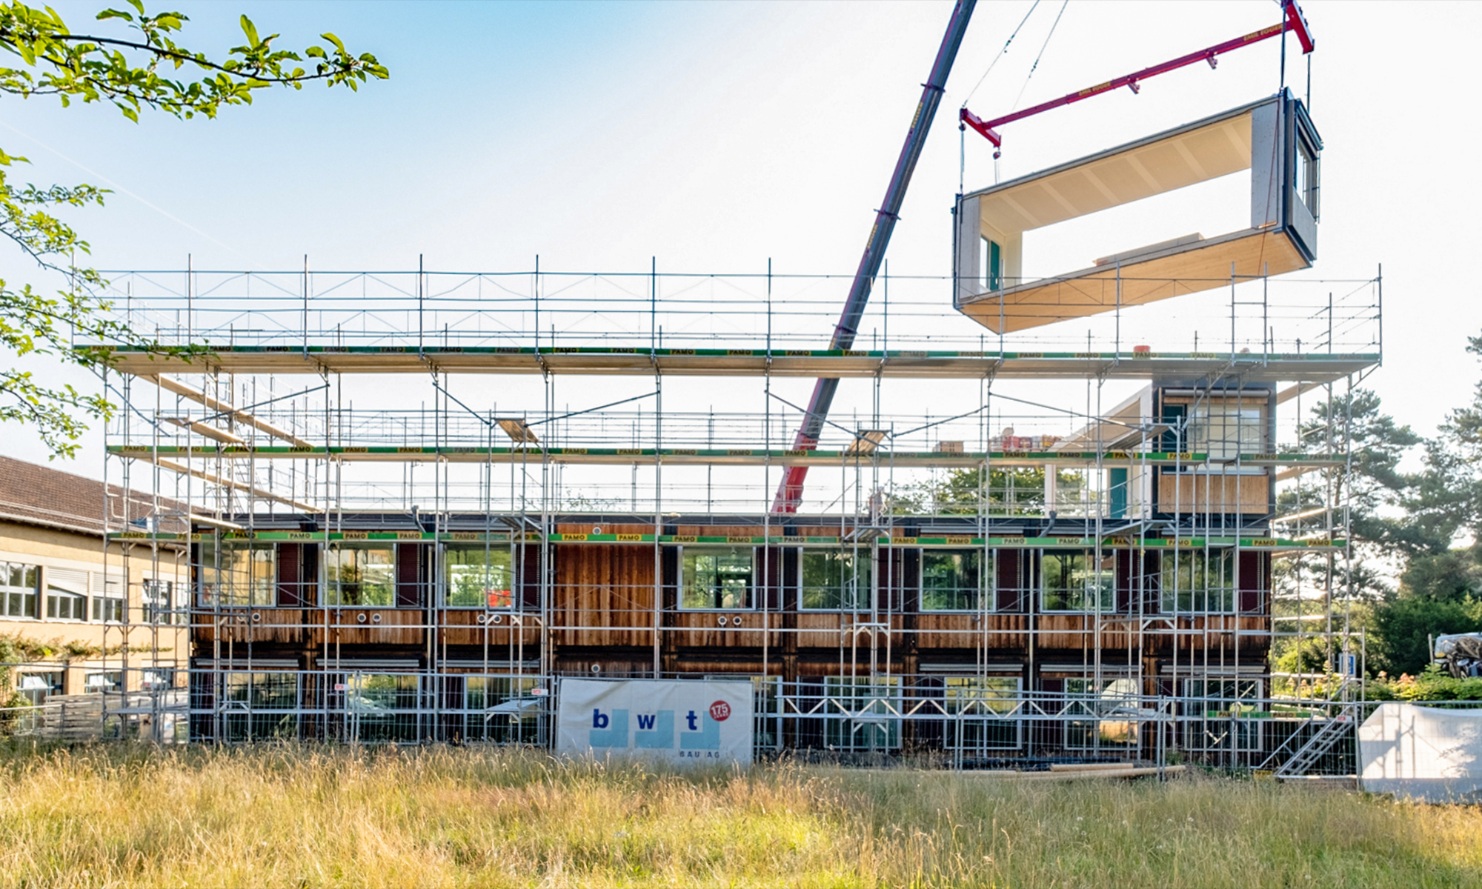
<point>19,584</point>
<point>1196,581</point>
<point>108,600</point>
<point>716,578</point>
<point>1226,715</point>
<point>66,594</point>
<point>1074,580</point>
<point>1225,428</point>
<point>360,575</point>
<point>260,706</point>
<point>237,573</point>
<point>1103,713</point>
<point>502,710</point>
<point>379,706</point>
<point>951,580</point>
<point>159,602</point>
<point>37,687</point>
<point>835,580</point>
<point>862,714</point>
<point>478,576</point>
<point>981,710</point>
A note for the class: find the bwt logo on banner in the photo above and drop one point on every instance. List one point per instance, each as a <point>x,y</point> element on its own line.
<point>698,739</point>
<point>679,720</point>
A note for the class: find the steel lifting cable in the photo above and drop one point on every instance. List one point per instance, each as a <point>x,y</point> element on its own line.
<point>1001,53</point>
<point>1035,66</point>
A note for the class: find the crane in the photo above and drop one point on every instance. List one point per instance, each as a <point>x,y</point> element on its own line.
<point>790,491</point>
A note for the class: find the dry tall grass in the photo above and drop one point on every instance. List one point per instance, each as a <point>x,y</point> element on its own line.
<point>121,816</point>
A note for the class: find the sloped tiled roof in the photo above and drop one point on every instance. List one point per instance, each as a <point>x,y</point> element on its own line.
<point>39,495</point>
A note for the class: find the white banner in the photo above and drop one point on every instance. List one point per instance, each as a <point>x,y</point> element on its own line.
<point>1428,753</point>
<point>675,720</point>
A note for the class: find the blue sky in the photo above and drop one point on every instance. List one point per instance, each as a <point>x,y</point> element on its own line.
<point>717,135</point>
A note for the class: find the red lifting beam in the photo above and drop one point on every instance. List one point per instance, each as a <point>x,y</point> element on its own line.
<point>1293,21</point>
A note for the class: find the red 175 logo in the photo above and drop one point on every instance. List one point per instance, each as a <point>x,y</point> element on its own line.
<point>720,711</point>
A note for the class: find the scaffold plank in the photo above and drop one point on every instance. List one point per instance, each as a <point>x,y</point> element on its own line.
<point>810,542</point>
<point>165,454</point>
<point>645,361</point>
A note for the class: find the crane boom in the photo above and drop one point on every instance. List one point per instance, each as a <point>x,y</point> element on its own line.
<point>790,491</point>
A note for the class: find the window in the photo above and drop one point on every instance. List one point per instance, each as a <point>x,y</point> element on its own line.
<point>66,594</point>
<point>1304,174</point>
<point>380,706</point>
<point>361,575</point>
<point>862,714</point>
<point>37,687</point>
<point>18,586</point>
<point>981,708</point>
<point>158,679</point>
<point>1224,429</point>
<point>833,580</point>
<point>1076,581</point>
<point>992,265</point>
<point>103,681</point>
<point>237,573</point>
<point>1094,701</point>
<point>502,710</point>
<point>951,580</point>
<point>108,598</point>
<point>1199,581</point>
<point>159,602</point>
<point>1225,714</point>
<point>259,706</point>
<point>478,576</point>
<point>715,578</point>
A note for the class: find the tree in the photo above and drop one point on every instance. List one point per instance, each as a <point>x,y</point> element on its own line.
<point>1441,585</point>
<point>132,62</point>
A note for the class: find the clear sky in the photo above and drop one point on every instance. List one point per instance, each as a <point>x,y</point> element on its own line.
<point>715,136</point>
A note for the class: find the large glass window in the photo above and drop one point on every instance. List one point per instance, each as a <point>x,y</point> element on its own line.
<point>502,710</point>
<point>862,714</point>
<point>259,706</point>
<point>715,577</point>
<point>1073,580</point>
<point>478,576</point>
<point>1199,581</point>
<point>951,580</point>
<point>1225,428</point>
<point>1304,174</point>
<point>1108,711</point>
<point>1225,714</point>
<point>982,708</point>
<point>237,573</point>
<point>381,706</point>
<point>66,594</point>
<point>836,579</point>
<point>360,575</point>
<point>18,586</point>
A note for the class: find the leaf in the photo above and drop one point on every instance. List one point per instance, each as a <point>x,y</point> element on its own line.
<point>250,30</point>
<point>335,40</point>
<point>115,14</point>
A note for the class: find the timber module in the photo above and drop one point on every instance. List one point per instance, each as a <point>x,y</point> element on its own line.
<point>1057,516</point>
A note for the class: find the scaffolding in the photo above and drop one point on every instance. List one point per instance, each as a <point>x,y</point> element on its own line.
<point>417,498</point>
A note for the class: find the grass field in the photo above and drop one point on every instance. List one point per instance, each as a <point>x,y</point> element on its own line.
<point>132,816</point>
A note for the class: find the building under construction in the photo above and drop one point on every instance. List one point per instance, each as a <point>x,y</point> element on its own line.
<point>420,498</point>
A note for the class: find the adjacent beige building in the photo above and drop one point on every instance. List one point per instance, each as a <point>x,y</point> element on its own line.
<point>114,618</point>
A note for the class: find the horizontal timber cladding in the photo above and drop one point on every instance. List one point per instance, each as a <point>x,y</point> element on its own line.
<point>477,627</point>
<point>603,595</point>
<point>990,632</point>
<point>1221,493</point>
<point>371,626</point>
<point>280,626</point>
